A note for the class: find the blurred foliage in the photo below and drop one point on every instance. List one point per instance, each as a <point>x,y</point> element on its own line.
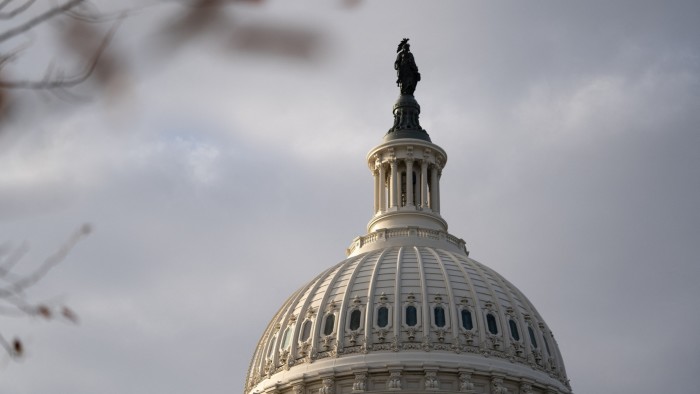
<point>89,65</point>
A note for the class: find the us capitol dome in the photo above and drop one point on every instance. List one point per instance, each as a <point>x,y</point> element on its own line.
<point>408,310</point>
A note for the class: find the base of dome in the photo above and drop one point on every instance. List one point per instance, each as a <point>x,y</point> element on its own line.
<point>411,372</point>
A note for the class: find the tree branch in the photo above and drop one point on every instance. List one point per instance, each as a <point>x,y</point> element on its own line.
<point>50,262</point>
<point>52,81</point>
<point>30,24</point>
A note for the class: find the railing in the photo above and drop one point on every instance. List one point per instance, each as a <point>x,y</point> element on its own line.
<point>404,232</point>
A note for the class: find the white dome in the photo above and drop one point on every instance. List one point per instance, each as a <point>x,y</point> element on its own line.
<point>353,323</point>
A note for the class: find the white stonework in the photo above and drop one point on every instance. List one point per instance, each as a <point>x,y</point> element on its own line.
<point>408,310</point>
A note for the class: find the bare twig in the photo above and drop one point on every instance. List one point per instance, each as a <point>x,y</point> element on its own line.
<point>30,24</point>
<point>53,81</point>
<point>13,258</point>
<point>100,17</point>
<point>14,303</point>
<point>31,279</point>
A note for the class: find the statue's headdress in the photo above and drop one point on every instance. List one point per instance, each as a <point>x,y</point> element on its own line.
<point>402,44</point>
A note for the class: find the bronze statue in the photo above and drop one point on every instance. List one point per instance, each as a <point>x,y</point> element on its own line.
<point>406,69</point>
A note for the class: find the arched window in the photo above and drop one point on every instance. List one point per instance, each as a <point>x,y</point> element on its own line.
<point>382,316</point>
<point>285,338</point>
<point>330,322</point>
<point>439,313</point>
<point>355,319</point>
<point>272,347</point>
<point>467,323</point>
<point>514,330</point>
<point>532,337</point>
<point>306,330</point>
<point>546,345</point>
<point>491,323</point>
<point>411,316</point>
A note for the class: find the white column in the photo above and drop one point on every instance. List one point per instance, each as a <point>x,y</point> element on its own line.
<point>409,182</point>
<point>437,191</point>
<point>433,188</point>
<point>393,190</point>
<point>375,173</point>
<point>382,188</point>
<point>424,184</point>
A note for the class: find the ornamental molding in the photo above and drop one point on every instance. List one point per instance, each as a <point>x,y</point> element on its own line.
<point>431,381</point>
<point>497,386</point>
<point>394,381</point>
<point>328,386</point>
<point>465,383</point>
<point>360,383</point>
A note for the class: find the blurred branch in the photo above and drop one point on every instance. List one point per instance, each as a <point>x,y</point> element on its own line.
<point>15,302</point>
<point>54,79</point>
<point>16,11</point>
<point>39,19</point>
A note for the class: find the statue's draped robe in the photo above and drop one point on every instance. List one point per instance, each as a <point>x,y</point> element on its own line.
<point>407,72</point>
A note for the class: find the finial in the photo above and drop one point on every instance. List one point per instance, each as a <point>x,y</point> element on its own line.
<point>406,69</point>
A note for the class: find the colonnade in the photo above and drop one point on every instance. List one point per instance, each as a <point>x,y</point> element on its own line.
<point>406,183</point>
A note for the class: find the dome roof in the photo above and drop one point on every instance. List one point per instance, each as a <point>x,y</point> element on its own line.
<point>427,312</point>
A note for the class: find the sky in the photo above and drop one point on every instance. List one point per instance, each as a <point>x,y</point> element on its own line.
<point>224,176</point>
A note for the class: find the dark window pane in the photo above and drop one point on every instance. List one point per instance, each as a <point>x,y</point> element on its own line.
<point>383,316</point>
<point>328,327</point>
<point>439,316</point>
<point>491,323</point>
<point>306,330</point>
<point>532,337</point>
<point>467,320</point>
<point>514,330</point>
<point>355,319</point>
<point>411,316</point>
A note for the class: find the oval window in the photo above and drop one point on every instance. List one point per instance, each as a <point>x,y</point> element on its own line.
<point>306,330</point>
<point>328,327</point>
<point>514,330</point>
<point>467,323</point>
<point>355,319</point>
<point>532,337</point>
<point>383,316</point>
<point>439,313</point>
<point>411,316</point>
<point>491,323</point>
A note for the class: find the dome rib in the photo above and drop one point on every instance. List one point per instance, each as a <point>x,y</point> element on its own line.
<point>424,298</point>
<point>397,295</point>
<point>323,308</point>
<point>475,296</point>
<point>450,296</point>
<point>344,306</point>
<point>494,302</point>
<point>369,317</point>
